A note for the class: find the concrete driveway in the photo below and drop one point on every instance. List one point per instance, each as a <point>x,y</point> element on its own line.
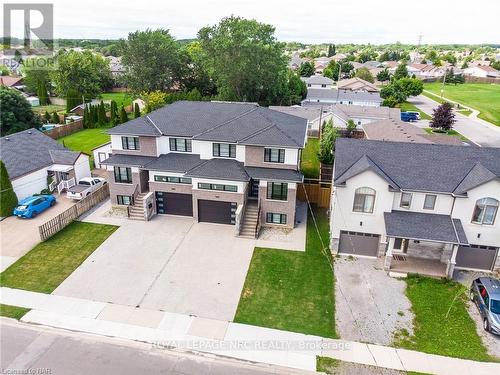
<point>170,263</point>
<point>18,236</point>
<point>370,306</point>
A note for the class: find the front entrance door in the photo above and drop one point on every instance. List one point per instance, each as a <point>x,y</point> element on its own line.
<point>253,190</point>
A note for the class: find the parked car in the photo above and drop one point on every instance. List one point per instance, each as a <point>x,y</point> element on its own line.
<point>32,206</point>
<point>85,187</point>
<point>414,113</point>
<point>485,292</point>
<point>409,116</point>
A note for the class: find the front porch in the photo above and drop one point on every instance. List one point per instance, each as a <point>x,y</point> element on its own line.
<point>402,263</point>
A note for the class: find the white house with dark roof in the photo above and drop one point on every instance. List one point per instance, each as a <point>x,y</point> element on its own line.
<point>219,162</point>
<point>33,159</point>
<point>423,208</point>
<point>318,81</point>
<point>348,97</point>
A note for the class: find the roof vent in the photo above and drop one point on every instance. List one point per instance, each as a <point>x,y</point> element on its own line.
<point>7,138</point>
<point>29,132</point>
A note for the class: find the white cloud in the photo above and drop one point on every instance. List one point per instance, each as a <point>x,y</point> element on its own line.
<point>360,21</point>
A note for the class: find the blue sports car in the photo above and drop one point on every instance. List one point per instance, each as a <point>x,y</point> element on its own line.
<point>32,206</point>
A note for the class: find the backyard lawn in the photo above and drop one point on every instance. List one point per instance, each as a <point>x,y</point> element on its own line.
<point>407,106</point>
<point>50,262</point>
<point>310,163</point>
<point>292,290</point>
<point>481,96</point>
<point>449,132</point>
<point>442,324</point>
<point>12,311</point>
<point>85,140</point>
<point>121,98</point>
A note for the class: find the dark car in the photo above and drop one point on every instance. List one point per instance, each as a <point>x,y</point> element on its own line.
<point>485,292</point>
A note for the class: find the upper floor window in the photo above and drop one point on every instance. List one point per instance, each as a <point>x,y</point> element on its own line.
<point>130,143</point>
<point>172,179</point>
<point>220,187</point>
<point>277,191</point>
<point>123,174</point>
<point>430,201</point>
<point>405,200</point>
<point>180,144</point>
<point>364,200</point>
<point>485,211</point>
<point>224,150</point>
<point>274,155</point>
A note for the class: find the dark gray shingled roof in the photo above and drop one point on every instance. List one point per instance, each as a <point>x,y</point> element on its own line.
<point>259,173</point>
<point>245,123</point>
<point>420,167</point>
<point>175,162</point>
<point>30,150</point>
<point>422,226</point>
<point>128,160</point>
<point>334,96</point>
<point>223,169</point>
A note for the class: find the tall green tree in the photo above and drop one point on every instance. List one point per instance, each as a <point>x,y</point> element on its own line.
<point>365,74</point>
<point>194,72</point>
<point>123,115</point>
<point>42,93</point>
<point>247,61</point>
<point>46,116</point>
<point>443,117</point>
<point>113,113</point>
<point>16,113</point>
<point>137,111</point>
<point>8,197</point>
<point>383,75</point>
<point>306,69</point>
<point>73,99</point>
<point>152,59</point>
<point>101,114</point>
<point>329,135</point>
<point>37,71</point>
<point>55,118</point>
<point>401,71</point>
<point>331,50</point>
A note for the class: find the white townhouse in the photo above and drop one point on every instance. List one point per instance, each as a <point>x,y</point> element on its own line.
<point>423,208</point>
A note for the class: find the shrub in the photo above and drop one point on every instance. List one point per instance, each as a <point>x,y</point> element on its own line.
<point>8,197</point>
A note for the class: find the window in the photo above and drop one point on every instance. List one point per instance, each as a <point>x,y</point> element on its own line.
<point>485,211</point>
<point>397,243</point>
<point>224,150</point>
<point>130,143</point>
<point>274,155</point>
<point>180,144</point>
<point>123,174</point>
<point>364,200</point>
<point>277,191</point>
<point>323,85</point>
<point>175,180</point>
<point>126,200</point>
<point>429,202</point>
<point>220,187</point>
<point>405,200</point>
<point>273,218</point>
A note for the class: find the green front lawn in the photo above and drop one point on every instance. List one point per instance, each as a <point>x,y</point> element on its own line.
<point>407,106</point>
<point>442,324</point>
<point>12,311</point>
<point>121,98</point>
<point>292,290</point>
<point>85,140</point>
<point>481,96</point>
<point>449,132</point>
<point>50,262</point>
<point>310,163</point>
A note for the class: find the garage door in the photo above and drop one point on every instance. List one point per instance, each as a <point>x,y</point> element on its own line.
<point>174,203</point>
<point>356,243</point>
<point>216,212</point>
<point>476,257</point>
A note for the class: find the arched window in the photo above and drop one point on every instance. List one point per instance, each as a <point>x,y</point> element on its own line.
<point>485,211</point>
<point>364,200</point>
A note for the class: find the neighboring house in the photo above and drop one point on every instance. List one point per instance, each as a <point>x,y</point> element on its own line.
<point>342,113</point>
<point>338,57</point>
<point>32,158</point>
<point>321,63</point>
<point>482,71</point>
<point>221,162</point>
<point>11,81</point>
<point>357,84</point>
<point>372,64</point>
<point>315,115</point>
<point>115,65</point>
<point>101,153</point>
<point>295,61</point>
<point>395,130</point>
<point>318,82</point>
<point>80,108</point>
<point>424,208</point>
<point>362,98</point>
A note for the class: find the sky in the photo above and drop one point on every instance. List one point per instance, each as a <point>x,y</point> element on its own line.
<point>319,21</point>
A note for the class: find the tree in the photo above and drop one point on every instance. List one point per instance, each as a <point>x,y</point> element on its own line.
<point>43,96</point>
<point>247,61</point>
<point>365,74</point>
<point>495,64</point>
<point>101,114</point>
<point>154,100</point>
<point>411,86</point>
<point>4,71</point>
<point>81,72</point>
<point>152,60</point>
<point>73,99</point>
<point>383,75</point>
<point>331,50</point>
<point>365,56</point>
<point>46,116</point>
<point>399,90</point>
<point>137,111</point>
<point>350,127</point>
<point>123,115</point>
<point>55,118</point>
<point>306,69</point>
<point>16,114</point>
<point>194,73</point>
<point>113,113</point>
<point>8,197</point>
<point>327,143</point>
<point>36,71</point>
<point>401,71</point>
<point>443,117</point>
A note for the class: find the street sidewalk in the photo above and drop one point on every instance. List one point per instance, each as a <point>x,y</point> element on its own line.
<point>241,341</point>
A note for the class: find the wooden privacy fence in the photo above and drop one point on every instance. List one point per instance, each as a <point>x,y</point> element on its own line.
<point>64,130</point>
<point>317,193</point>
<point>65,218</point>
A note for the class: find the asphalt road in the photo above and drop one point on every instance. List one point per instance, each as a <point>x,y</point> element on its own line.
<point>45,351</point>
<point>474,129</point>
